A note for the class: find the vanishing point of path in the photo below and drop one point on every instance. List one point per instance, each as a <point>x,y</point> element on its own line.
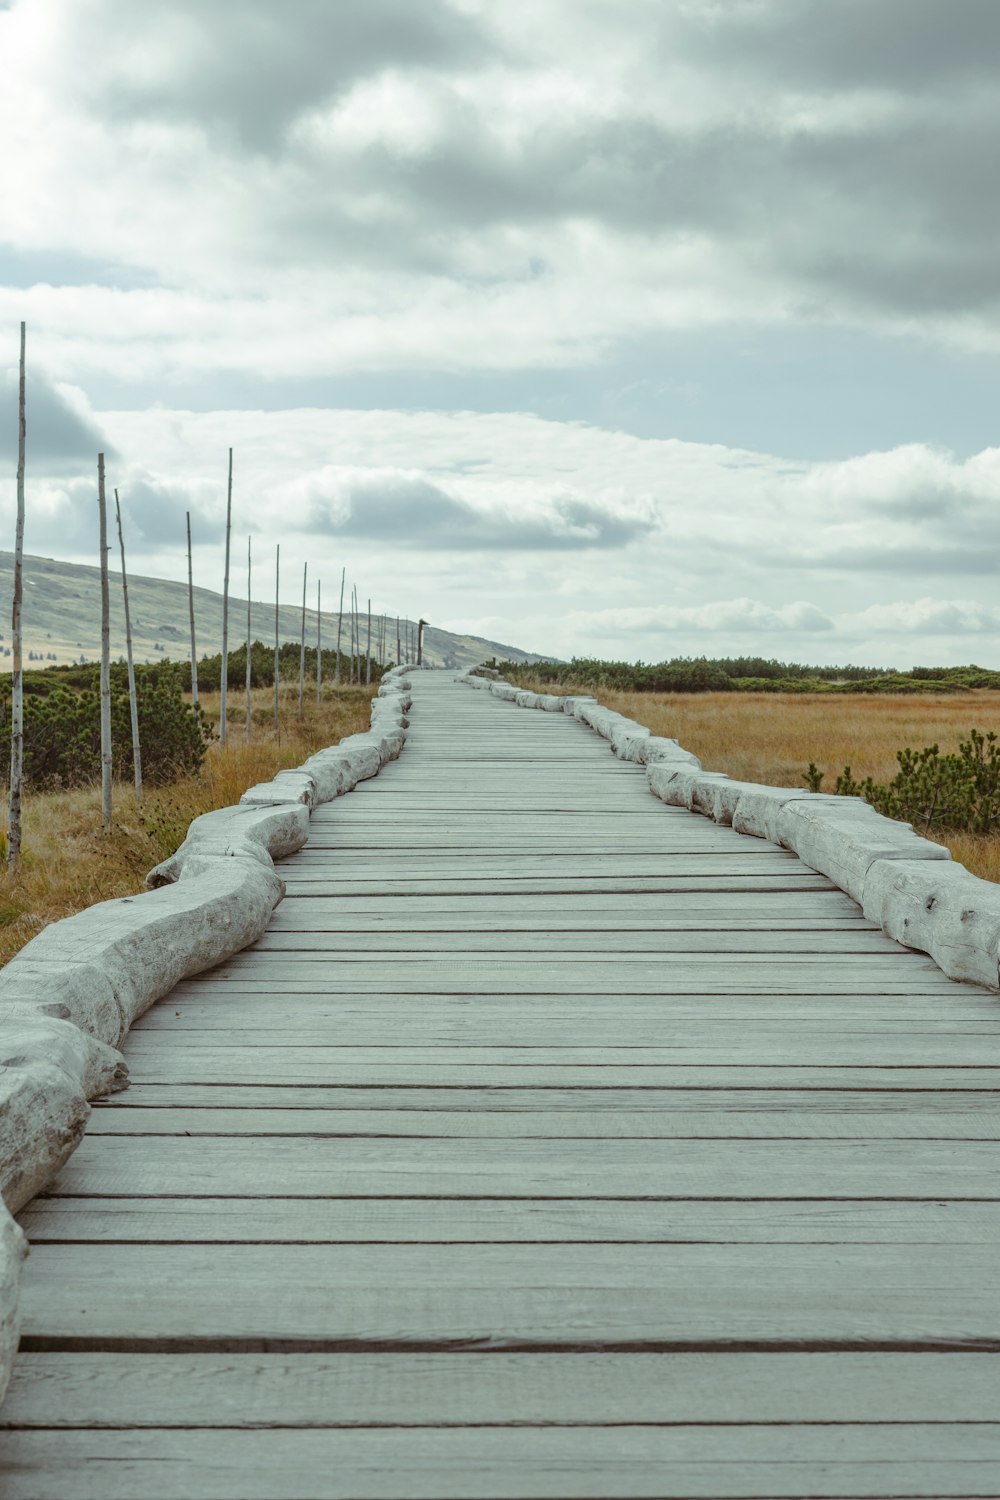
<point>551,1143</point>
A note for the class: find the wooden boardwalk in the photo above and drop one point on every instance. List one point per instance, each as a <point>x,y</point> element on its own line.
<point>551,1143</point>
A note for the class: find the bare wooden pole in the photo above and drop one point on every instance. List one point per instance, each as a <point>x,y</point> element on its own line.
<point>420,643</point>
<point>302,645</point>
<point>368,648</point>
<point>133,702</point>
<point>248,674</point>
<point>194,648</point>
<point>319,647</point>
<point>340,623</point>
<point>224,676</point>
<point>399,654</point>
<point>17,679</point>
<point>277,642</point>
<point>354,616</point>
<point>102,510</point>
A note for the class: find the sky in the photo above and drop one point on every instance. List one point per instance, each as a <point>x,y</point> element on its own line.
<point>631,328</point>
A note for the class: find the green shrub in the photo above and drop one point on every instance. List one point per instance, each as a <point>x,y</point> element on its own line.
<point>932,791</point>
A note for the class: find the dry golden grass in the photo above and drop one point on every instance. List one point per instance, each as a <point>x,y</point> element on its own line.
<point>69,863</point>
<point>772,737</point>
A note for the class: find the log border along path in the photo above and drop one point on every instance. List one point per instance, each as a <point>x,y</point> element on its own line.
<point>551,1142</point>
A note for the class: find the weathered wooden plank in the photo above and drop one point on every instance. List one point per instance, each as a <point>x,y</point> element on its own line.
<point>575,1463</point>
<point>509,1221</point>
<point>339,882</point>
<point>644,1124</point>
<point>430,1067</point>
<point>706,905</point>
<point>832,942</point>
<point>331,1018</point>
<point>70,1389</point>
<point>342,977</point>
<point>940,1105</point>
<point>520,1168</point>
<point>328,1297</point>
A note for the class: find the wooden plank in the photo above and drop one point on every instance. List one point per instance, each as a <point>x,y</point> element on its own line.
<point>575,1463</point>
<point>834,941</point>
<point>708,906</point>
<point>644,1124</point>
<point>184,1297</point>
<point>431,981</point>
<point>428,1067</point>
<point>941,1105</point>
<point>256,1220</point>
<point>340,883</point>
<point>520,1168</point>
<point>70,1389</point>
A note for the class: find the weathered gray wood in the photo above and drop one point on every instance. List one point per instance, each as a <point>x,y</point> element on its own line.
<point>529,1060</point>
<point>132,700</point>
<point>735,1093</point>
<point>412,1390</point>
<point>513,1296</point>
<point>224,665</point>
<point>17,679</point>
<point>484,1463</point>
<point>330,1220</point>
<point>517,1167</point>
<point>105,674</point>
<point>649,1124</point>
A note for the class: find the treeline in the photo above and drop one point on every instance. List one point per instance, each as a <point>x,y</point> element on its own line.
<point>333,664</point>
<point>745,674</point>
<point>62,725</point>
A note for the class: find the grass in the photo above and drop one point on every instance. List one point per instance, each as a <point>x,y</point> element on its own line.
<point>67,861</point>
<point>772,737</point>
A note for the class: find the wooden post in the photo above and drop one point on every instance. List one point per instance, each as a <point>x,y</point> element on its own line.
<point>102,511</point>
<point>133,703</point>
<point>368,648</point>
<point>17,679</point>
<point>340,624</point>
<point>224,677</point>
<point>354,618</point>
<point>420,643</point>
<point>302,645</point>
<point>399,654</point>
<point>277,642</point>
<point>249,627</point>
<point>194,648</point>
<point>319,646</point>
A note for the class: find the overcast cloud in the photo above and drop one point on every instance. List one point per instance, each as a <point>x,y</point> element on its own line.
<point>590,325</point>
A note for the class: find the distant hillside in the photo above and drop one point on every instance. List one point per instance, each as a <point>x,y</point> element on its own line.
<point>62,620</point>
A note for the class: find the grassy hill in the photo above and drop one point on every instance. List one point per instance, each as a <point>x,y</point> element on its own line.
<point>62,620</point>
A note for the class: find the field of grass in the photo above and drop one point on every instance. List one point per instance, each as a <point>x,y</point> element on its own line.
<point>772,737</point>
<point>69,863</point>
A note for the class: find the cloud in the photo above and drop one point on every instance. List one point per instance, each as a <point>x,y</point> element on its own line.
<point>61,434</point>
<point>247,69</point>
<point>946,617</point>
<point>407,508</point>
<point>722,616</point>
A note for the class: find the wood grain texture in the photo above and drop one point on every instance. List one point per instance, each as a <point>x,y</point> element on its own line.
<point>574,1463</point>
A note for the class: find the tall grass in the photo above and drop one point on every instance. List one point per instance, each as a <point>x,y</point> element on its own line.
<point>67,862</point>
<point>772,737</point>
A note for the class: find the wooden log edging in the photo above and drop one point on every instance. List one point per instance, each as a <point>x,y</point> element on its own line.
<point>909,886</point>
<point>68,998</point>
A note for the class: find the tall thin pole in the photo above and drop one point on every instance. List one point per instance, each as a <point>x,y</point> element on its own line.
<point>353,592</point>
<point>249,683</point>
<point>132,700</point>
<point>224,677</point>
<point>17,680</point>
<point>420,643</point>
<point>194,648</point>
<point>399,654</point>
<point>319,647</point>
<point>302,645</point>
<point>340,624</point>
<point>102,511</point>
<point>277,643</point>
<point>368,648</point>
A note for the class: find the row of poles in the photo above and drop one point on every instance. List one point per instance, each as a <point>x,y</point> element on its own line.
<point>409,636</point>
<point>408,633</point>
